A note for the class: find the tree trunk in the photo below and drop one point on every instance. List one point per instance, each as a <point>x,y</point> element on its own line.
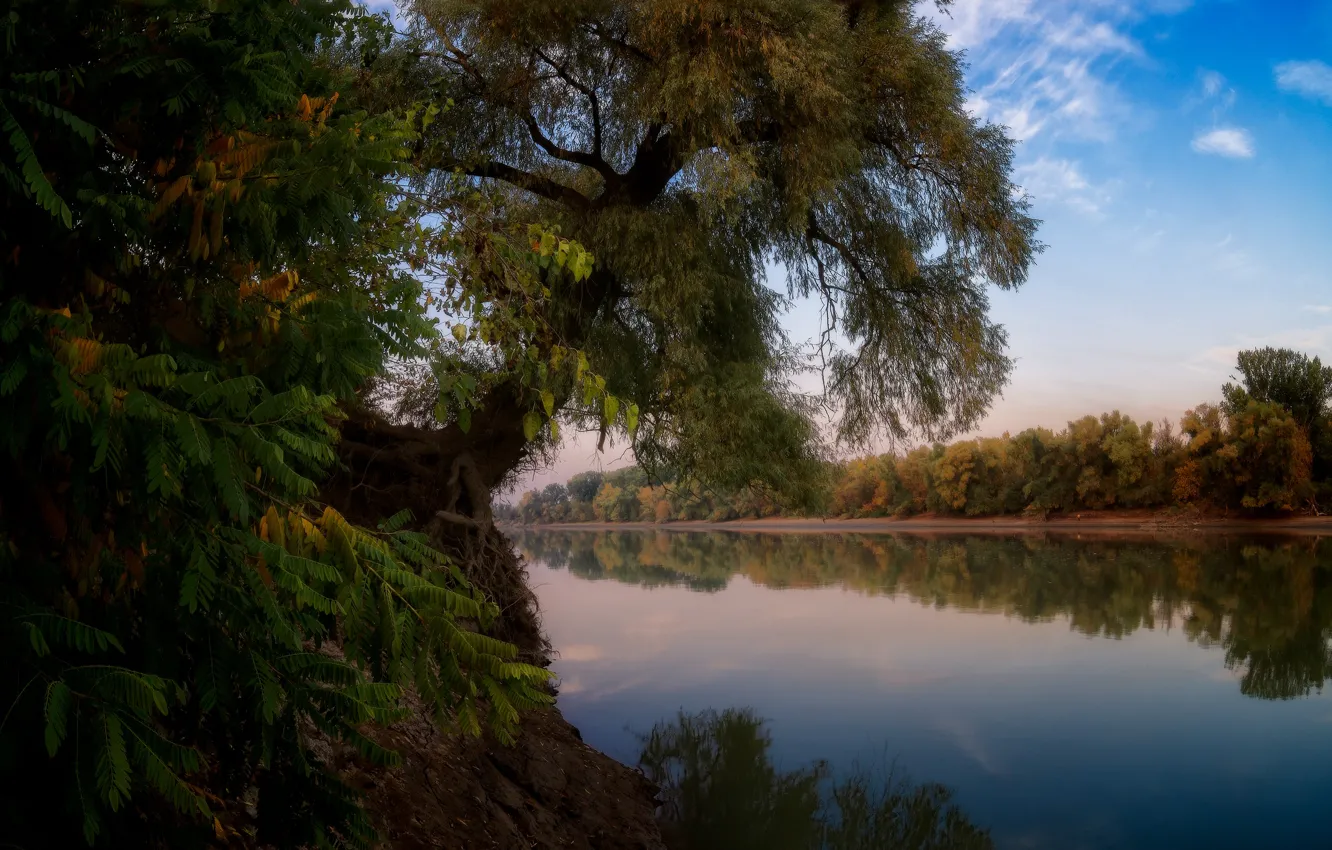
<point>445,478</point>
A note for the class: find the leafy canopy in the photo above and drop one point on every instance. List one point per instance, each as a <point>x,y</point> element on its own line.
<point>698,147</point>
<point>204,253</point>
<point>1300,384</point>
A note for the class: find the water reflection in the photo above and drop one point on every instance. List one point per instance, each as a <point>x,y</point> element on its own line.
<point>721,791</point>
<point>1268,604</point>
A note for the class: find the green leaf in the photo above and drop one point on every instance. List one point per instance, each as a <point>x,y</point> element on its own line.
<point>72,633</point>
<point>612,408</point>
<point>164,779</point>
<point>465,418</point>
<point>631,419</point>
<point>112,762</point>
<point>12,377</point>
<point>59,699</point>
<point>548,402</point>
<point>34,178</point>
<point>192,439</point>
<point>531,425</point>
<point>228,484</point>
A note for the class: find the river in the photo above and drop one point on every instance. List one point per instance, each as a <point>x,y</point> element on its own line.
<point>1067,693</point>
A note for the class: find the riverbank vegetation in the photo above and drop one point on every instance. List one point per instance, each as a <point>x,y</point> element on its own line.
<point>285,293</point>
<point>1266,448</point>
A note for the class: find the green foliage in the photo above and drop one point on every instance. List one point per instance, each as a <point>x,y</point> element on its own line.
<point>1303,386</point>
<point>206,254</point>
<point>689,147</point>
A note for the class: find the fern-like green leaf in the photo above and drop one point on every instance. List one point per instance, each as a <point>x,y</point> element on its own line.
<point>137,691</point>
<point>72,633</point>
<point>33,177</point>
<point>112,764</point>
<point>193,439</point>
<point>59,701</point>
<point>165,780</point>
<point>396,522</point>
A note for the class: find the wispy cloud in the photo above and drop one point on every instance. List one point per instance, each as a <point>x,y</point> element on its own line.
<point>1041,67</point>
<point>1221,139</point>
<point>1215,91</point>
<point>1232,260</point>
<point>1232,142</point>
<point>1212,83</point>
<point>1318,308</point>
<point>1309,78</point>
<point>1062,180</point>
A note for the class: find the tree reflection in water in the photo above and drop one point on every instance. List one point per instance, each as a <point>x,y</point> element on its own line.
<point>721,791</point>
<point>1267,603</point>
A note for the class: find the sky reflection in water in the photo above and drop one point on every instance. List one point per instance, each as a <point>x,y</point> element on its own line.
<point>1074,694</point>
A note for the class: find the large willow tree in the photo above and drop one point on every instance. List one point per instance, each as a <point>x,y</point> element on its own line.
<point>702,149</point>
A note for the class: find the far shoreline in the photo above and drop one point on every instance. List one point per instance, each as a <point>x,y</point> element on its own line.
<point>1087,522</point>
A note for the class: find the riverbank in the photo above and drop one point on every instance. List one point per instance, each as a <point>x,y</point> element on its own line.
<point>1086,522</point>
<point>547,790</point>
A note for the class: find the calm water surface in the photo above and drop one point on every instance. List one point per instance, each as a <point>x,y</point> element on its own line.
<point>1070,693</point>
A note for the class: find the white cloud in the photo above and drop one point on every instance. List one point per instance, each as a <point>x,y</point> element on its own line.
<point>1061,180</point>
<point>1214,91</point>
<point>1233,142</point>
<point>1318,308</point>
<point>1041,67</point>
<point>1311,79</point>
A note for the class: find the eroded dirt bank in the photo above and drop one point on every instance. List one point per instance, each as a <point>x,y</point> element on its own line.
<point>549,790</point>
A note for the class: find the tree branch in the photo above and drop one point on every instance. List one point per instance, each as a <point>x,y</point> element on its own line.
<point>589,160</point>
<point>624,46</point>
<point>534,183</point>
<point>589,92</point>
<point>820,235</point>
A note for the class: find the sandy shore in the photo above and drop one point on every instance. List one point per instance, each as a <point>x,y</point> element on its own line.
<point>1100,522</point>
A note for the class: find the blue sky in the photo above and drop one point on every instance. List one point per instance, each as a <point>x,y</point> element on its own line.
<point>1179,154</point>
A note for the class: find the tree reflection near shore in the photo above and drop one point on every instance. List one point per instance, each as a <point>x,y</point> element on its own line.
<point>721,791</point>
<point>1266,602</point>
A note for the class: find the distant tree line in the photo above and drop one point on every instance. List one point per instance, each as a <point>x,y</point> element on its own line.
<point>1266,447</point>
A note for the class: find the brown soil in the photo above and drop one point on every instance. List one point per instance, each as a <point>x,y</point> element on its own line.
<point>549,790</point>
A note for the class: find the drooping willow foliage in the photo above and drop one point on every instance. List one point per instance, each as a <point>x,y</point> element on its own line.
<point>204,253</point>
<point>703,149</point>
